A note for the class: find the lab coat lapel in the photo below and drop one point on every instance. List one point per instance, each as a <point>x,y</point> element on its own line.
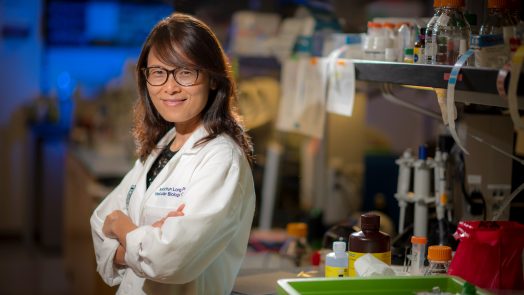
<point>140,191</point>
<point>187,149</point>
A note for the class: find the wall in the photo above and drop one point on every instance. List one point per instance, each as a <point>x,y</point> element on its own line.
<point>20,57</point>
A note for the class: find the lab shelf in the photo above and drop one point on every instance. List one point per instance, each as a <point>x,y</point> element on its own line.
<point>475,85</point>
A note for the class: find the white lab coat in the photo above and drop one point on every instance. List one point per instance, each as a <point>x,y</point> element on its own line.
<point>198,253</point>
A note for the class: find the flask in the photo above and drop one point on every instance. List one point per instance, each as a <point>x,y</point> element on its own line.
<point>431,41</point>
<point>419,48</point>
<point>296,247</point>
<point>452,33</point>
<point>439,258</point>
<point>337,261</point>
<point>418,253</point>
<point>369,240</point>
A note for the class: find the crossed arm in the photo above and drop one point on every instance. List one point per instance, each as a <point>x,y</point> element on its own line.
<point>117,225</point>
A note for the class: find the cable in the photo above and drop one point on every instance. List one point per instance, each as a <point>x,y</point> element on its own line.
<point>508,201</point>
<point>387,92</point>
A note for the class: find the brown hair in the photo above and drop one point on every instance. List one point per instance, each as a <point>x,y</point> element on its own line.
<point>184,41</point>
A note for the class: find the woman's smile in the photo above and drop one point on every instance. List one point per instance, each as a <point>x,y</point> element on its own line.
<point>173,102</point>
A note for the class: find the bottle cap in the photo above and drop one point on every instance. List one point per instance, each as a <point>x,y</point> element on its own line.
<point>315,258</point>
<point>497,4</point>
<point>389,25</point>
<point>369,221</point>
<point>439,253</point>
<point>453,3</point>
<point>408,51</point>
<point>437,3</point>
<point>297,229</point>
<point>339,246</point>
<point>419,240</point>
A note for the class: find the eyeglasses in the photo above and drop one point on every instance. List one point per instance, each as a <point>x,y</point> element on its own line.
<point>158,76</point>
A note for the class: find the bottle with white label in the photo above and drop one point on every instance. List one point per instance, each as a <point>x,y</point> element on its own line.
<point>337,261</point>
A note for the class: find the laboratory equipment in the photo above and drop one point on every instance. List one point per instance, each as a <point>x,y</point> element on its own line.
<point>422,197</point>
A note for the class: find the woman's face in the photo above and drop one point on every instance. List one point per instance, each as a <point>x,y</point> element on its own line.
<point>178,104</point>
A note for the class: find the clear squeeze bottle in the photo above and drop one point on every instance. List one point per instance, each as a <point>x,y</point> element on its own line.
<point>337,261</point>
<point>370,240</point>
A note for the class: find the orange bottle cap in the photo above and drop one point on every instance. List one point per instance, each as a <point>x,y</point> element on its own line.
<point>419,240</point>
<point>497,4</point>
<point>389,25</point>
<point>439,253</point>
<point>453,3</point>
<point>437,3</point>
<point>297,229</point>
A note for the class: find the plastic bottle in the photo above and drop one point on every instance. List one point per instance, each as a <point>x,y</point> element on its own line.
<point>439,258</point>
<point>337,261</point>
<point>452,33</point>
<point>431,40</point>
<point>296,247</point>
<point>370,43</point>
<point>391,42</point>
<point>369,240</point>
<point>380,43</point>
<point>418,254</point>
<point>405,40</point>
<point>419,48</point>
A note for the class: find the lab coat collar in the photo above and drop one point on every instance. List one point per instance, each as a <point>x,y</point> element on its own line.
<point>188,147</point>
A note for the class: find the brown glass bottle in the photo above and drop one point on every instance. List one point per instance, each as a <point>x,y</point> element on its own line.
<point>369,240</point>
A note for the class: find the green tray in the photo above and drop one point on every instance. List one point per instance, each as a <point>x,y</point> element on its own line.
<point>373,285</point>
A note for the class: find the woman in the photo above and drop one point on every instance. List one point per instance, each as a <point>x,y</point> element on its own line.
<point>179,221</point>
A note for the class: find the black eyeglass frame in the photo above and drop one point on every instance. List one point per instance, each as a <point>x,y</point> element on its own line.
<point>170,72</point>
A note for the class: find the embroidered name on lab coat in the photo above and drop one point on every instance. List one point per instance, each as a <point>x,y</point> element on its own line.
<point>169,191</point>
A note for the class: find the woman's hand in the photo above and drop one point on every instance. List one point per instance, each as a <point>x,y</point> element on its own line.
<point>177,212</point>
<point>120,256</point>
<point>116,226</point>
